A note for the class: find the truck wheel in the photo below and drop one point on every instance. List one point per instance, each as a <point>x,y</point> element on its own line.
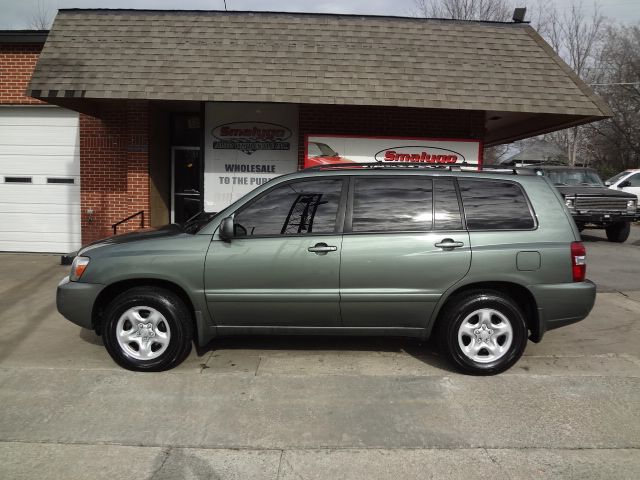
<point>483,332</point>
<point>618,232</point>
<point>147,329</point>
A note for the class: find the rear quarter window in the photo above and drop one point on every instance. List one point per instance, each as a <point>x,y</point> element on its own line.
<point>495,205</point>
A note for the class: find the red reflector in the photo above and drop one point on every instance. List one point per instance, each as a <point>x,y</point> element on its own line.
<point>578,261</point>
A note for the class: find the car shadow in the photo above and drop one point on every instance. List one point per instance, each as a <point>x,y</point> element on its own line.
<point>91,337</point>
<point>424,351</point>
<point>592,238</point>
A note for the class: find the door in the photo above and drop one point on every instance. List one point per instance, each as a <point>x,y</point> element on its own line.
<point>39,179</point>
<point>282,267</point>
<point>634,185</point>
<point>186,181</point>
<point>397,259</point>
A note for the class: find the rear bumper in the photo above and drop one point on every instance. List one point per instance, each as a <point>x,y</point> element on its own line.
<point>562,304</point>
<point>75,300</point>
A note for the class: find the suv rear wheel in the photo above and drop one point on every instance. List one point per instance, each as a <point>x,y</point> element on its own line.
<point>483,332</point>
<point>618,232</point>
<point>147,329</point>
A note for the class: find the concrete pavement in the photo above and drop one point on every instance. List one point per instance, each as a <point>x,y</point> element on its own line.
<point>318,408</point>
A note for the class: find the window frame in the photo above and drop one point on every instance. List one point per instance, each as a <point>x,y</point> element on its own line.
<point>340,214</point>
<point>526,198</point>
<point>348,222</point>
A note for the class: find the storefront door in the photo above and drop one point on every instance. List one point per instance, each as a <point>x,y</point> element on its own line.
<point>186,195</point>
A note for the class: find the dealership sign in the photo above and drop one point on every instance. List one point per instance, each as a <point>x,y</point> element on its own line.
<point>329,149</point>
<point>251,136</point>
<point>246,144</point>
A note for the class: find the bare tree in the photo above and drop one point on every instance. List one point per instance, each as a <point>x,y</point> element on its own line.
<point>616,142</point>
<point>492,10</point>
<point>576,37</point>
<point>42,17</point>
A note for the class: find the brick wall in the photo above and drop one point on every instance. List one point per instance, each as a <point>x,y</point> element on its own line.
<point>17,63</point>
<point>114,151</point>
<point>387,121</point>
<point>114,167</point>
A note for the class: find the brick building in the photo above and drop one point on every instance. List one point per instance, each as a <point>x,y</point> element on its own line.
<point>183,110</point>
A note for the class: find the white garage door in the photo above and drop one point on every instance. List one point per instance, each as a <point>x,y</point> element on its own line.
<point>39,180</point>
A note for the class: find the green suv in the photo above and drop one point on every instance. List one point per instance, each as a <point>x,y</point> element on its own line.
<point>483,260</point>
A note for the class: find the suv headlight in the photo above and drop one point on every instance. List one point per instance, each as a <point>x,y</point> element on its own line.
<point>569,202</point>
<point>78,267</point>
<point>631,205</point>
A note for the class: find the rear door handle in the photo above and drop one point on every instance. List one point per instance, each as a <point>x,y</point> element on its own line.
<point>449,244</point>
<point>322,248</point>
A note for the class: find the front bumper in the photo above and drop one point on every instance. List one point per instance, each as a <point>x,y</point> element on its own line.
<point>75,301</point>
<point>562,304</point>
<point>604,217</point>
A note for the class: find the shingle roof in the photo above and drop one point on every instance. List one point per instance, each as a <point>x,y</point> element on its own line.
<point>307,58</point>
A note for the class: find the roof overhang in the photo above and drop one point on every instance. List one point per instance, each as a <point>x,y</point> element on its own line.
<point>23,37</point>
<point>505,70</point>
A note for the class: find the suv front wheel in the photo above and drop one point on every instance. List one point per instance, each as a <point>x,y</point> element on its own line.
<point>483,332</point>
<point>147,329</point>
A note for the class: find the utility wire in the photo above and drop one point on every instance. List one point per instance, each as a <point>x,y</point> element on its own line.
<point>608,84</point>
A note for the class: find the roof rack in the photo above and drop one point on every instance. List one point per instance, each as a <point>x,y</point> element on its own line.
<point>451,167</point>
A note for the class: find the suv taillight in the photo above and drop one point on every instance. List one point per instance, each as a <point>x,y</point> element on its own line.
<point>578,261</point>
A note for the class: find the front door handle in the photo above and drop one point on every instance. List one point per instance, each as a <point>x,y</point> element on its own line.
<point>322,248</point>
<point>449,244</point>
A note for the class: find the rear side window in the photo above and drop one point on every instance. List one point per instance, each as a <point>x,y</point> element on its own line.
<point>402,204</point>
<point>495,205</point>
<point>447,211</point>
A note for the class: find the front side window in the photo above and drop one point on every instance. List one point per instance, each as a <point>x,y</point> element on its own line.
<point>296,208</point>
<point>495,205</point>
<point>392,204</point>
<point>634,180</point>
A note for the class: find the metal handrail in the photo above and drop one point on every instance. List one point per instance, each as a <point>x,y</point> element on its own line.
<point>115,225</point>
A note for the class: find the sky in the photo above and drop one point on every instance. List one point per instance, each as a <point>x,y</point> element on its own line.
<point>16,14</point>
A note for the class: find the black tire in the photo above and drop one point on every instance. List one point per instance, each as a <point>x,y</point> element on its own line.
<point>618,232</point>
<point>175,313</point>
<point>459,308</point>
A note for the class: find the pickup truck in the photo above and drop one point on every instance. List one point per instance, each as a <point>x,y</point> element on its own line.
<point>591,203</point>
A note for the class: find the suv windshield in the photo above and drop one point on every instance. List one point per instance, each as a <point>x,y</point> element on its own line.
<point>321,150</point>
<point>574,177</point>
<point>617,177</point>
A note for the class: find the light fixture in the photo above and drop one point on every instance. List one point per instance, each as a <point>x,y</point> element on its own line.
<point>518,15</point>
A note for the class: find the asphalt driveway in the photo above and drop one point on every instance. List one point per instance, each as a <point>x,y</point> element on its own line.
<point>320,408</point>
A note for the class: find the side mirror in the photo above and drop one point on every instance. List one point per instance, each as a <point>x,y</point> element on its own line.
<point>607,183</point>
<point>626,183</point>
<point>226,229</point>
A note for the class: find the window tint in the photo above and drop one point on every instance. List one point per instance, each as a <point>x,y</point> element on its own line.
<point>635,180</point>
<point>495,205</point>
<point>392,204</point>
<point>292,209</point>
<point>447,207</point>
